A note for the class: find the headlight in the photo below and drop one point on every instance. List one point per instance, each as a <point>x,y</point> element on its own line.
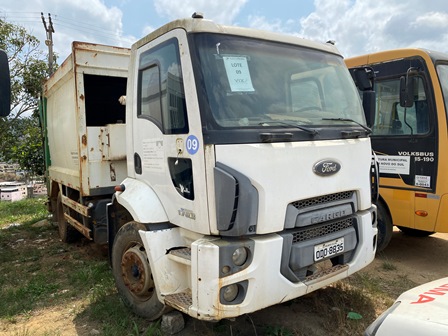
<point>239,256</point>
<point>235,255</point>
<point>230,292</point>
<point>233,294</point>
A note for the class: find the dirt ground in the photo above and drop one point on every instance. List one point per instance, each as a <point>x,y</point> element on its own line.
<point>419,259</point>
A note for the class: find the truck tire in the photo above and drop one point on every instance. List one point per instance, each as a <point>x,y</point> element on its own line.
<point>67,233</point>
<point>385,227</point>
<point>415,232</point>
<point>132,273</point>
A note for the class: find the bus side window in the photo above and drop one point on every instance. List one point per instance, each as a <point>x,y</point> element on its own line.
<point>395,120</point>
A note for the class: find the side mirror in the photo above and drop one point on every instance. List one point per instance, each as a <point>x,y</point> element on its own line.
<point>5,85</point>
<point>407,89</point>
<point>368,104</point>
<point>363,78</point>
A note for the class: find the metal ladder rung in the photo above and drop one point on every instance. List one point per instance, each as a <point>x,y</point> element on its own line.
<point>182,255</point>
<point>180,301</point>
<point>326,273</point>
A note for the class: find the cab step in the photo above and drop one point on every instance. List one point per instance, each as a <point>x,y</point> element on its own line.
<point>181,301</point>
<point>325,273</point>
<point>181,255</point>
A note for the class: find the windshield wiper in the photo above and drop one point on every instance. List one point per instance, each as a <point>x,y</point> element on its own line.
<point>368,130</point>
<point>302,128</point>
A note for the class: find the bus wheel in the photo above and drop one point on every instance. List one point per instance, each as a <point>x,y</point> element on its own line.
<point>67,233</point>
<point>414,232</point>
<point>385,227</point>
<point>132,273</point>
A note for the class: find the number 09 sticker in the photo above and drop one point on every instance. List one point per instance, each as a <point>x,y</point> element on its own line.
<point>192,145</point>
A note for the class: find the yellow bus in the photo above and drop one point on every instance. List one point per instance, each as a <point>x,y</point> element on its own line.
<point>409,137</point>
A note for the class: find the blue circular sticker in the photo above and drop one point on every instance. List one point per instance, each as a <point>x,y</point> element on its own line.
<point>192,145</point>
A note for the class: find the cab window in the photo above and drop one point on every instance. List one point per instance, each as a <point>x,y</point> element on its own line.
<point>161,96</point>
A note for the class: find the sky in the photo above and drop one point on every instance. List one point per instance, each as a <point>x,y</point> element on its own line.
<point>357,26</point>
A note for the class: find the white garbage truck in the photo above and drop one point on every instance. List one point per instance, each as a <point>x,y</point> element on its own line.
<point>228,169</point>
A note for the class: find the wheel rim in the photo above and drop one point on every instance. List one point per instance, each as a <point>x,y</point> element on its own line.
<point>137,273</point>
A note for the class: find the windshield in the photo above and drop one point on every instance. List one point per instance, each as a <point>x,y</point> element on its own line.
<point>250,83</point>
<point>442,71</point>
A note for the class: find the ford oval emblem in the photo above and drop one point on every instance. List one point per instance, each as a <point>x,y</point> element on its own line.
<point>326,167</point>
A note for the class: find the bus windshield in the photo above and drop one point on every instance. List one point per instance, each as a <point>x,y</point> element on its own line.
<point>442,72</point>
<point>252,83</point>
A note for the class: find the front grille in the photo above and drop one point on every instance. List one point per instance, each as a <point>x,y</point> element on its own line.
<point>341,196</point>
<point>321,230</point>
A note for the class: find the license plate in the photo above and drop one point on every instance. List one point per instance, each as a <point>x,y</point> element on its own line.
<point>328,249</point>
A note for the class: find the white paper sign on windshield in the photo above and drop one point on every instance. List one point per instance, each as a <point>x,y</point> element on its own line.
<point>238,74</point>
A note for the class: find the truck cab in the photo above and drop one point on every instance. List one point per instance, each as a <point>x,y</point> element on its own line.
<point>248,161</point>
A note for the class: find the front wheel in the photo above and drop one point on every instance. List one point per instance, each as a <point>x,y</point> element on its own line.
<point>415,232</point>
<point>132,273</point>
<point>385,227</point>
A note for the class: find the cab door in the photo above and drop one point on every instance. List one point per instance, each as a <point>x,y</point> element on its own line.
<point>166,131</point>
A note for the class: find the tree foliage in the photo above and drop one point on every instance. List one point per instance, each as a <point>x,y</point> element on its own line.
<point>27,65</point>
<point>21,135</point>
<point>28,150</point>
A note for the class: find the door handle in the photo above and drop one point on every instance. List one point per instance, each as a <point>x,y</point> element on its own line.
<point>137,164</point>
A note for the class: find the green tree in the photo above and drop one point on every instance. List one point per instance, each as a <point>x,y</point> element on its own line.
<point>27,151</point>
<point>21,136</point>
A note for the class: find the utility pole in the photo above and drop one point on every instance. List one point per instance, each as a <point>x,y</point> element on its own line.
<point>49,41</point>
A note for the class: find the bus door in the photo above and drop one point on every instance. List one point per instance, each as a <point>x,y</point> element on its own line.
<point>405,140</point>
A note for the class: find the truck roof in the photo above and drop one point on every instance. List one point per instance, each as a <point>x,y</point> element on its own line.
<point>200,25</point>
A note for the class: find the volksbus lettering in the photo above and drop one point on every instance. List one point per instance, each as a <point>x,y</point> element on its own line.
<point>416,153</point>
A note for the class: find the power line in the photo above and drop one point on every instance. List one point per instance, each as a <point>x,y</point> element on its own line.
<point>34,18</point>
<point>59,18</point>
<point>20,12</point>
<point>82,24</point>
<point>84,29</point>
<point>62,21</point>
<point>20,15</point>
